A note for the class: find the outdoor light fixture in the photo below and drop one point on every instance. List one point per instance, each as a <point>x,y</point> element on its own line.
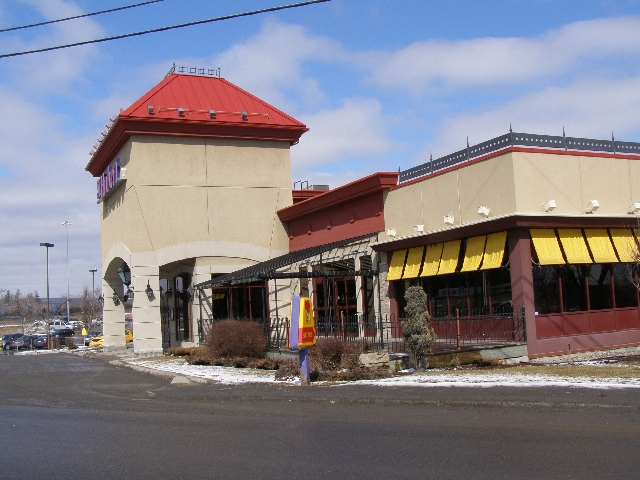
<point>128,294</point>
<point>180,112</point>
<point>124,272</point>
<point>593,206</point>
<point>212,114</point>
<point>149,291</point>
<point>418,228</point>
<point>483,211</point>
<point>150,110</point>
<point>244,115</point>
<point>391,232</point>
<point>549,205</point>
<point>116,299</point>
<point>634,208</point>
<point>448,219</point>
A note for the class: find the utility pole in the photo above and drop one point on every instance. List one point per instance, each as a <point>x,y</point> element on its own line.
<point>48,246</point>
<point>66,223</point>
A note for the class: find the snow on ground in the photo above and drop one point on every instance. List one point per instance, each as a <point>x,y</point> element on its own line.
<point>225,375</point>
<point>485,379</point>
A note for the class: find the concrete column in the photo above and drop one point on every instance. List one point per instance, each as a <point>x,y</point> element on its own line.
<point>521,270</point>
<point>199,275</point>
<point>113,314</point>
<point>147,332</point>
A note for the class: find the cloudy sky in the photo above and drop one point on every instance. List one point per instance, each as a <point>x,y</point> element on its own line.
<point>380,84</point>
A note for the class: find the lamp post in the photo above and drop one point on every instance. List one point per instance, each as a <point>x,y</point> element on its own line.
<point>48,246</point>
<point>66,223</point>
<point>93,280</point>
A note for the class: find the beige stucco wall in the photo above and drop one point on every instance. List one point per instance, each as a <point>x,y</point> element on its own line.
<point>195,205</point>
<point>516,182</point>
<point>185,190</point>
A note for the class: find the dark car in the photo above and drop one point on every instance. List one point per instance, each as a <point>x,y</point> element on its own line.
<point>6,339</point>
<point>61,337</point>
<point>21,343</point>
<point>40,341</point>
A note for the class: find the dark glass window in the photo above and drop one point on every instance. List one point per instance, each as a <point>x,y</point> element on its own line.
<point>546,289</point>
<point>457,283</point>
<point>600,291</point>
<point>500,289</point>
<point>477,291</point>
<point>437,290</point>
<point>574,292</point>
<point>626,292</point>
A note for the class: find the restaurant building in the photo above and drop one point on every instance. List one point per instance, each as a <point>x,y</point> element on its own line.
<point>198,208</point>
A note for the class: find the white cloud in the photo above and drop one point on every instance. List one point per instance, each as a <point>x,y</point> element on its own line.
<point>496,61</point>
<point>354,130</point>
<point>588,108</point>
<point>272,61</point>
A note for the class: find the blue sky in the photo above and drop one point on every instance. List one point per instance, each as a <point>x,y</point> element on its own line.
<point>379,83</point>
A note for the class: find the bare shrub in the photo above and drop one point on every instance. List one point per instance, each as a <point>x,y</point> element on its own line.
<point>327,354</point>
<point>289,369</point>
<point>184,351</point>
<point>237,338</point>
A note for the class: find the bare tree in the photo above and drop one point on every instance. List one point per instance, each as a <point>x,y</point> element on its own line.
<point>90,306</point>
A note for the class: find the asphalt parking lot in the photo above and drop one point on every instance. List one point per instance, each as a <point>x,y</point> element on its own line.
<point>72,417</point>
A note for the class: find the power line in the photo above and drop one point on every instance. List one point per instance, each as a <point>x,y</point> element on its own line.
<point>117,9</point>
<point>163,29</point>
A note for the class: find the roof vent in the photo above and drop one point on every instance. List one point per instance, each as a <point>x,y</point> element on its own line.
<point>212,114</point>
<point>150,110</point>
<point>244,115</point>
<point>180,112</point>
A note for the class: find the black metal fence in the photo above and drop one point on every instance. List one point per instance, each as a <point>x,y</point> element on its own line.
<point>385,332</point>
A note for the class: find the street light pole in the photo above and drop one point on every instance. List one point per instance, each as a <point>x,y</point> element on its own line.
<point>48,246</point>
<point>93,280</point>
<point>66,223</point>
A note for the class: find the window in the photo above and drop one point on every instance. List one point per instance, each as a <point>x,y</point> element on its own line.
<point>574,292</point>
<point>626,294</point>
<point>600,291</point>
<point>546,289</point>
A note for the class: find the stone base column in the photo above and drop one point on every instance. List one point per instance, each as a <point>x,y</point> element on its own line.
<point>147,330</point>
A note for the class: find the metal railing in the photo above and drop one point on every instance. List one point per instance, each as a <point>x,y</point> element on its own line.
<point>560,142</point>
<point>385,332</point>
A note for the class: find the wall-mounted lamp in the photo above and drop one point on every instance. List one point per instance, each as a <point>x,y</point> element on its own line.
<point>592,206</point>
<point>244,115</point>
<point>149,291</point>
<point>483,211</point>
<point>448,219</point>
<point>391,232</point>
<point>634,208</point>
<point>128,294</point>
<point>180,112</point>
<point>150,109</point>
<point>418,228</point>
<point>212,114</point>
<point>549,205</point>
<point>115,298</point>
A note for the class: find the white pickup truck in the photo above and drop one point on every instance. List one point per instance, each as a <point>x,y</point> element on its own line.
<point>60,326</point>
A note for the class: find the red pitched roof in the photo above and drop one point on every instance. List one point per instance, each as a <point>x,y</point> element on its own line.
<point>196,96</point>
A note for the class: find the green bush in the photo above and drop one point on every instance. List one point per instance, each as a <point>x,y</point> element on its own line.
<point>237,338</point>
<point>416,329</point>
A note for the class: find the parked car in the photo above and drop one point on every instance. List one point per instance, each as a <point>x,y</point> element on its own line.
<point>59,326</point>
<point>61,336</point>
<point>6,339</point>
<point>90,336</point>
<point>40,341</point>
<point>21,343</point>
<point>99,340</point>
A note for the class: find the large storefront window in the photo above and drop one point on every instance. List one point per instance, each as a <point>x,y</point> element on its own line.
<point>578,288</point>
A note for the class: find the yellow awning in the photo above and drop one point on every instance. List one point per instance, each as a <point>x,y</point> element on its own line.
<point>494,251</point>
<point>600,245</point>
<point>432,260</point>
<point>575,249</point>
<point>547,247</point>
<point>397,262</point>
<point>414,260</point>
<point>473,253</point>
<point>449,260</point>
<point>625,244</point>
